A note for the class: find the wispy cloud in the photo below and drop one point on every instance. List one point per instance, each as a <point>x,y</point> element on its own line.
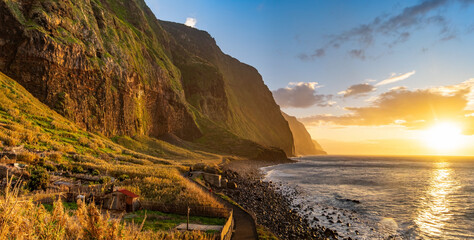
<point>357,53</point>
<point>301,95</point>
<point>398,28</point>
<point>190,22</point>
<point>396,78</point>
<point>317,53</point>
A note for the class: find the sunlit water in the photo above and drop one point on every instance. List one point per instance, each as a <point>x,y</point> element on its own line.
<point>379,197</point>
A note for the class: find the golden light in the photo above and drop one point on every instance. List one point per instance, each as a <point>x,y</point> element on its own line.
<point>444,137</point>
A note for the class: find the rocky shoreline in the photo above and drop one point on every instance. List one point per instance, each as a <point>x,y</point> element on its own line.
<point>270,208</point>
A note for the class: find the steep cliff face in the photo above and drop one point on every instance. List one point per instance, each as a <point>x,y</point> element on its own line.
<point>304,145</point>
<point>231,93</point>
<point>99,63</point>
<point>112,67</point>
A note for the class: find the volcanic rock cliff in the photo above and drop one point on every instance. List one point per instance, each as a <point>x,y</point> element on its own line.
<point>304,145</point>
<point>112,67</point>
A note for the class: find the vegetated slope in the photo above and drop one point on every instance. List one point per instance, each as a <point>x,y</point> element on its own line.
<point>304,145</point>
<point>99,63</point>
<point>106,65</point>
<point>26,121</point>
<point>229,92</point>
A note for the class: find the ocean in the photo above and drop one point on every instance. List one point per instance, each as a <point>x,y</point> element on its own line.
<point>382,197</point>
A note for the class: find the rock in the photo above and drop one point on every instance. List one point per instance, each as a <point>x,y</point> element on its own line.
<point>231,185</point>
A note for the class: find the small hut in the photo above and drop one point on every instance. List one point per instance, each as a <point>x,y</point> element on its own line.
<point>122,200</point>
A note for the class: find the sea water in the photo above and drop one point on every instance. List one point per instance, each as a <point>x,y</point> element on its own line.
<point>382,197</point>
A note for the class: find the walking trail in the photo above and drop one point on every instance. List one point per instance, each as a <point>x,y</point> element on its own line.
<point>244,224</point>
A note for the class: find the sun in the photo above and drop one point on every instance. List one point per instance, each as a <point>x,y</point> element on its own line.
<point>443,137</point>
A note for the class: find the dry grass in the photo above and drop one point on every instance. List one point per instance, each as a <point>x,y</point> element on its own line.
<point>22,219</point>
<point>26,121</point>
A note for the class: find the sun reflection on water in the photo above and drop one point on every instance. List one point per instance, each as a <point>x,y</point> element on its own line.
<point>435,207</point>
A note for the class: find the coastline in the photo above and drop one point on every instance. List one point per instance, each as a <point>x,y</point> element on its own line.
<point>271,208</point>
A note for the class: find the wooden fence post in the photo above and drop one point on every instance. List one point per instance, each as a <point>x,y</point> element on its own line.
<point>187,222</point>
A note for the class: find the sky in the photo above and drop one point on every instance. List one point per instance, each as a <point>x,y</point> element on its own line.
<point>365,77</point>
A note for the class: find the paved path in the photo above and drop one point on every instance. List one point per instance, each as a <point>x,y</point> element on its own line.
<point>245,228</point>
<point>244,225</point>
<point>199,227</point>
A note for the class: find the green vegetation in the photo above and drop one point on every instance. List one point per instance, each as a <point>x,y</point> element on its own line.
<point>39,179</point>
<point>126,58</point>
<point>26,220</point>
<point>26,121</point>
<point>157,221</point>
<point>67,206</point>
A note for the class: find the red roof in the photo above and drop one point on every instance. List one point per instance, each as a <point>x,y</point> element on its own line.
<point>128,193</point>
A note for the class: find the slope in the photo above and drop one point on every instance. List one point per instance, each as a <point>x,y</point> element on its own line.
<point>110,67</point>
<point>55,143</point>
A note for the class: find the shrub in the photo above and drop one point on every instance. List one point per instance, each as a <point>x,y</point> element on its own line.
<point>123,177</point>
<point>62,147</point>
<point>50,167</point>
<point>28,137</point>
<point>9,141</point>
<point>105,180</point>
<point>77,169</point>
<point>39,179</point>
<point>13,112</point>
<point>95,172</point>
<point>26,157</point>
<point>56,157</point>
<point>64,167</point>
<point>83,141</point>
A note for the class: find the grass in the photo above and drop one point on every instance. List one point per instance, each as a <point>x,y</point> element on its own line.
<point>26,121</point>
<point>158,221</point>
<point>22,219</point>
<point>67,206</point>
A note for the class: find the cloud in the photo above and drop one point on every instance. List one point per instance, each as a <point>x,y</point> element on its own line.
<point>357,53</point>
<point>396,28</point>
<point>410,108</point>
<point>190,22</point>
<point>301,95</point>
<point>316,54</point>
<point>395,78</point>
<point>358,90</point>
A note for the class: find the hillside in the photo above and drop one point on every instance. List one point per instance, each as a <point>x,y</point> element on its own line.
<point>304,145</point>
<point>111,67</point>
<point>53,142</point>
<point>49,143</point>
<point>229,92</point>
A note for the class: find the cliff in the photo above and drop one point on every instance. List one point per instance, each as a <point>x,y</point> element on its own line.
<point>99,63</point>
<point>229,92</point>
<point>111,67</point>
<point>304,145</point>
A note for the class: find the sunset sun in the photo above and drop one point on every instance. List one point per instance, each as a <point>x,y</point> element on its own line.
<point>443,137</point>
